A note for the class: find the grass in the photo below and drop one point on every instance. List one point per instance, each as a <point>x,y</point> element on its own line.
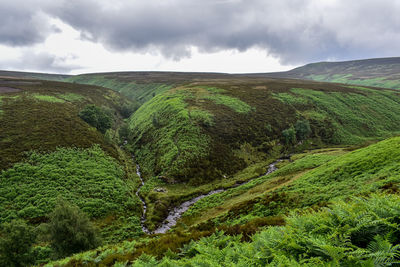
<point>218,204</point>
<point>182,135</point>
<point>142,92</point>
<point>71,97</point>
<point>48,98</point>
<point>379,72</point>
<point>356,116</point>
<point>43,116</point>
<point>360,172</point>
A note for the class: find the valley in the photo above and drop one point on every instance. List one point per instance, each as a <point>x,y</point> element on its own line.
<point>190,169</point>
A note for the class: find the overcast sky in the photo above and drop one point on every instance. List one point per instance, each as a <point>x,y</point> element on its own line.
<point>78,36</point>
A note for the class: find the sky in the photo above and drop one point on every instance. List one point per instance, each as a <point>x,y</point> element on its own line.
<point>232,36</point>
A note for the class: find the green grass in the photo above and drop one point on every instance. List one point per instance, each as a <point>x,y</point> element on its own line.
<point>142,92</point>
<point>71,97</point>
<point>220,99</point>
<point>302,162</point>
<point>348,79</point>
<point>178,142</point>
<point>360,172</point>
<point>48,98</point>
<point>356,116</point>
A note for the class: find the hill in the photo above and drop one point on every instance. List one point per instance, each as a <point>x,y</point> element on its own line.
<point>204,138</point>
<point>379,72</point>
<point>142,86</point>
<point>339,221</point>
<point>32,75</point>
<point>43,115</point>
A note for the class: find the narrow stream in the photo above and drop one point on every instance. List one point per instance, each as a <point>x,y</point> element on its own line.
<point>176,213</point>
<point>143,218</point>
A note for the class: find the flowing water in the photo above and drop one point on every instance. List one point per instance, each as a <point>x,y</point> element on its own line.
<point>143,218</point>
<point>176,213</point>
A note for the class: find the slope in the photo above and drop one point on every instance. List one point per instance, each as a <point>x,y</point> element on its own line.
<point>323,221</point>
<point>44,115</point>
<point>209,129</point>
<point>140,86</point>
<point>379,72</point>
<point>48,151</point>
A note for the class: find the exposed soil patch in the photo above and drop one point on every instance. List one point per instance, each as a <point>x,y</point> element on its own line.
<point>8,89</point>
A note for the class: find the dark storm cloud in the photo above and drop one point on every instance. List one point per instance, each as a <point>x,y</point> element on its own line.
<point>22,23</point>
<point>296,31</point>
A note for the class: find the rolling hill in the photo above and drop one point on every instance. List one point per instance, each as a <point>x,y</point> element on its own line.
<point>209,136</point>
<point>379,72</point>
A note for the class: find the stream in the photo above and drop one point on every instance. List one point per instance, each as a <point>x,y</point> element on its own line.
<point>176,213</point>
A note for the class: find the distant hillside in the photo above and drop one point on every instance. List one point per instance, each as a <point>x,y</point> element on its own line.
<point>33,75</point>
<point>378,72</point>
<point>142,86</point>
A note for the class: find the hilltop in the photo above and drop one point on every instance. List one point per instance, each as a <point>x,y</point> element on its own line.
<point>379,72</point>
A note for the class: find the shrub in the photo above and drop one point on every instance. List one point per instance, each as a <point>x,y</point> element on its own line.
<point>97,117</point>
<point>70,230</point>
<point>127,110</point>
<point>303,129</point>
<point>124,132</point>
<point>289,136</point>
<point>16,244</point>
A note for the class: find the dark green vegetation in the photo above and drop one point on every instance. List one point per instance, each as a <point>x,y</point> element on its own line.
<point>70,230</point>
<point>379,72</point>
<point>97,117</point>
<point>364,232</point>
<point>47,150</point>
<point>16,244</point>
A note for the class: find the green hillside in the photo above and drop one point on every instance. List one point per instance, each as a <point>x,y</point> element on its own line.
<point>43,115</point>
<point>379,72</point>
<point>338,223</point>
<point>192,134</point>
<point>205,130</point>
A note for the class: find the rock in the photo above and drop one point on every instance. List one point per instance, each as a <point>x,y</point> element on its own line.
<point>160,190</point>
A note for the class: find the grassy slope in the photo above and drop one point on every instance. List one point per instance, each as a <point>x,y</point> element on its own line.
<point>44,115</point>
<point>210,129</point>
<point>316,179</point>
<point>207,130</point>
<point>379,72</point>
<point>313,179</point>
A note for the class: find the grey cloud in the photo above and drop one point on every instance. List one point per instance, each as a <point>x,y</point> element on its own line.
<point>295,31</point>
<point>23,23</point>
